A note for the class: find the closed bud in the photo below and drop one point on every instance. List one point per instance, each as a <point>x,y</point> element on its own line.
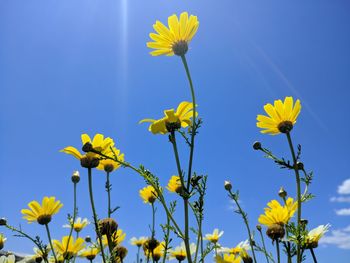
<point>257,146</point>
<point>87,239</point>
<point>304,221</point>
<point>282,193</point>
<point>3,221</point>
<point>87,147</point>
<point>258,227</point>
<point>107,226</point>
<point>75,177</point>
<point>300,166</point>
<point>228,186</point>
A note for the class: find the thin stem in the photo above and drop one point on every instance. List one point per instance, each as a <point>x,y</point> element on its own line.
<point>297,176</point>
<point>95,215</point>
<point>153,220</point>
<point>50,241</point>
<point>74,214</point>
<point>246,223</point>
<point>166,239</point>
<point>278,251</point>
<point>184,61</point>
<point>313,255</point>
<point>263,242</point>
<point>108,187</point>
<point>184,195</point>
<point>138,254</point>
<point>22,234</point>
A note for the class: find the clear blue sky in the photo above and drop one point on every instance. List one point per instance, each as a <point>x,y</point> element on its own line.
<point>73,67</point>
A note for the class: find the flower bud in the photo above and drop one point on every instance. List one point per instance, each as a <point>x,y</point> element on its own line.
<point>258,227</point>
<point>107,226</point>
<point>300,166</point>
<point>275,231</point>
<point>228,186</point>
<point>120,252</point>
<point>75,177</point>
<point>108,168</point>
<point>304,221</point>
<point>87,239</point>
<point>257,146</point>
<point>87,147</point>
<point>3,221</point>
<point>282,193</point>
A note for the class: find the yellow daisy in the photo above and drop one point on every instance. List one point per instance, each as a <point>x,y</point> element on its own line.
<point>174,184</point>
<point>172,120</point>
<point>275,213</point>
<point>109,165</point>
<point>138,241</point>
<point>314,235</point>
<point>281,116</point>
<point>158,252</point>
<point>175,39</point>
<point>78,225</point>
<point>69,249</point>
<point>179,253</point>
<point>214,238</point>
<point>89,253</point>
<point>227,258</point>
<point>117,238</point>
<point>148,194</point>
<point>90,159</point>
<point>42,213</point>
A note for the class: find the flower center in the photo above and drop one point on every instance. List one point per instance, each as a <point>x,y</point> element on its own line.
<point>172,126</point>
<point>44,219</point>
<point>285,126</point>
<point>180,48</point>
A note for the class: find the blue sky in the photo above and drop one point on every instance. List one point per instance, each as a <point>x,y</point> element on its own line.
<point>73,67</point>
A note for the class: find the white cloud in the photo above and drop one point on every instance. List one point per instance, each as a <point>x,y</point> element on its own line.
<point>339,238</point>
<point>343,212</point>
<point>341,199</point>
<point>344,188</point>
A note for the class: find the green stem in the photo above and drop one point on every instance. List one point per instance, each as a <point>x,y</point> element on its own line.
<point>313,255</point>
<point>74,214</point>
<point>160,194</point>
<point>153,221</point>
<point>297,176</point>
<point>184,61</point>
<point>263,242</point>
<point>95,215</point>
<point>108,187</point>
<point>166,239</point>
<point>50,241</point>
<point>246,223</point>
<point>138,254</point>
<point>278,251</point>
<point>29,237</point>
<point>184,196</point>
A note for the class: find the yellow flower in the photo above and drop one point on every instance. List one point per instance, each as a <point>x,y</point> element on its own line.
<point>227,258</point>
<point>275,213</point>
<point>315,235</point>
<point>237,249</point>
<point>109,165</point>
<point>89,253</point>
<point>158,252</point>
<point>179,253</point>
<point>172,120</point>
<point>42,213</point>
<point>78,224</point>
<point>68,249</point>
<point>214,238</point>
<point>175,39</point>
<point>90,159</point>
<point>117,238</point>
<point>174,184</point>
<point>138,242</point>
<point>2,241</point>
<point>281,116</point>
<point>148,194</point>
